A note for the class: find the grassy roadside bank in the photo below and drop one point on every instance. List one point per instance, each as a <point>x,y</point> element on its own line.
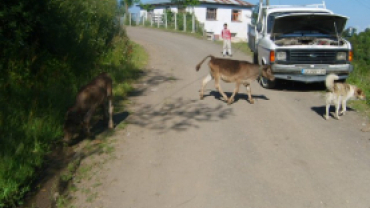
<point>23,157</point>
<point>49,49</point>
<point>82,162</point>
<point>361,74</point>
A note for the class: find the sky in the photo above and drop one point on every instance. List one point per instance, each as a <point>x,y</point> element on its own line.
<point>358,11</point>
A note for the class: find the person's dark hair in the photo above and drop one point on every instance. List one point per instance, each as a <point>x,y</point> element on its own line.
<point>225,24</point>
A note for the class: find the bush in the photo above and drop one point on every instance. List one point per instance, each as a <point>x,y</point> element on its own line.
<point>48,50</point>
<point>361,61</point>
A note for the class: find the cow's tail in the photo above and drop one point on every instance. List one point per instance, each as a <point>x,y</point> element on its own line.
<point>200,64</point>
<point>329,81</point>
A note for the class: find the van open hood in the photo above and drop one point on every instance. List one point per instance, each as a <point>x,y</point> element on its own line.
<point>323,23</point>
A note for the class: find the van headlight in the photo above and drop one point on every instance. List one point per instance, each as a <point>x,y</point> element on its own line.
<point>281,56</point>
<point>341,56</point>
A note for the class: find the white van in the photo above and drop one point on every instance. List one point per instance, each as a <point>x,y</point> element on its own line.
<point>302,43</point>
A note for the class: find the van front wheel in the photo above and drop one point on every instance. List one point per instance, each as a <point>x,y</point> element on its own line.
<point>266,83</point>
<point>255,58</point>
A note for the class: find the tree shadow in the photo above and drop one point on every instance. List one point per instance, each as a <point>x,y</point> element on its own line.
<point>152,80</point>
<point>178,115</point>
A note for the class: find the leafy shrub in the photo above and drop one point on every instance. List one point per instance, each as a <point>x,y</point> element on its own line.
<point>361,61</point>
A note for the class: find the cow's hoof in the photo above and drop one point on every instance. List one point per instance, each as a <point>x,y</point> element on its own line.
<point>251,101</point>
<point>230,101</point>
<point>326,117</point>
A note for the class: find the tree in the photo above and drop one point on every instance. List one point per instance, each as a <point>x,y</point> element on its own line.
<point>186,3</point>
<point>349,32</point>
<point>146,7</point>
<point>127,4</point>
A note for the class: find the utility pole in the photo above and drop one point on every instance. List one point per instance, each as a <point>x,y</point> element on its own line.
<point>267,2</point>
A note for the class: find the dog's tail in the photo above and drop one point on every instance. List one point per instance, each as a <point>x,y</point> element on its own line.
<point>329,82</point>
<point>200,64</point>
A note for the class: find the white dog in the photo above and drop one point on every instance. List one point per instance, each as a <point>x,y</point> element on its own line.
<point>339,93</point>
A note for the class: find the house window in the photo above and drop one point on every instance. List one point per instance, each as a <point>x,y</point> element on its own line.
<point>211,14</point>
<point>235,15</point>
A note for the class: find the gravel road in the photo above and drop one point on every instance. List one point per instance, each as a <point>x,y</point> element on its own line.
<point>179,151</point>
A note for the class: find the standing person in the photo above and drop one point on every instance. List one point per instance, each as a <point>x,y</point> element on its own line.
<point>226,36</point>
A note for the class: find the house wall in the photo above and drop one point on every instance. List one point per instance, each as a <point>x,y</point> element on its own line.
<point>223,16</point>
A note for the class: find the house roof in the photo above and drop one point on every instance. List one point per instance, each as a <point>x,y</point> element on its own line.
<point>227,2</point>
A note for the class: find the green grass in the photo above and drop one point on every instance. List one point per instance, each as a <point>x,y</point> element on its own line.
<point>101,149</point>
<point>361,78</point>
<point>238,47</point>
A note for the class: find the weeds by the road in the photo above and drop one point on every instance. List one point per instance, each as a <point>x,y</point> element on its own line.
<point>96,153</point>
<point>361,74</point>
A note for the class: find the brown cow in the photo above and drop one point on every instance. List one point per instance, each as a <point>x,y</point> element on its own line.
<point>88,99</point>
<point>240,72</point>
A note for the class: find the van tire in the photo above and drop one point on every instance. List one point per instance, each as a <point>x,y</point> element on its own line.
<point>268,84</point>
<point>255,58</point>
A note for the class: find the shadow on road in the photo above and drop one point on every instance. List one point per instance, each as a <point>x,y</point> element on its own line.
<point>320,110</point>
<point>239,96</point>
<point>284,85</point>
<point>178,115</point>
<point>152,80</point>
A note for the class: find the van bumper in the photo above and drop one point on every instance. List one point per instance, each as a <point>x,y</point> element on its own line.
<point>295,72</point>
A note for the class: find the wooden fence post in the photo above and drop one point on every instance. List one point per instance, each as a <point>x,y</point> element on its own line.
<point>165,15</point>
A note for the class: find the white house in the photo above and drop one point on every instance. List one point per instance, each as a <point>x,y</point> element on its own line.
<point>213,14</point>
